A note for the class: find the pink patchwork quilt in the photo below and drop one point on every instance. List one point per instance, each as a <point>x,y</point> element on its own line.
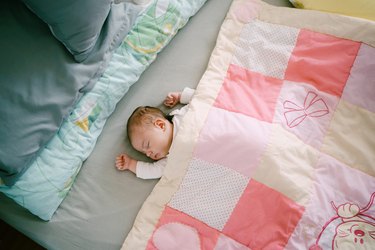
<point>277,150</point>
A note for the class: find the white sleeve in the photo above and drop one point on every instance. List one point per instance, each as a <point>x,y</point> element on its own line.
<point>154,170</point>
<point>186,95</point>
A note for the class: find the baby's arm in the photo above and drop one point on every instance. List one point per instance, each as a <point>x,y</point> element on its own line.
<point>172,99</point>
<point>184,97</point>
<point>125,162</point>
<point>154,170</point>
<point>143,170</point>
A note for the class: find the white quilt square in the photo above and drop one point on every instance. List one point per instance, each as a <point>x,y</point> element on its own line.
<point>209,192</point>
<point>305,111</point>
<point>265,48</point>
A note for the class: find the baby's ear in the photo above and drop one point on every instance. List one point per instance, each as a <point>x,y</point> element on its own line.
<point>160,123</point>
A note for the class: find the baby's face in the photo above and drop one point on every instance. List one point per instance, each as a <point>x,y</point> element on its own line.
<point>154,141</point>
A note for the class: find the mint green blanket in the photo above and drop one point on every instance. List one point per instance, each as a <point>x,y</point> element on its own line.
<point>48,180</point>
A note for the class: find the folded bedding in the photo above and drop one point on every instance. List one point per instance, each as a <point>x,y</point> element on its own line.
<point>277,149</point>
<point>40,80</point>
<point>46,182</point>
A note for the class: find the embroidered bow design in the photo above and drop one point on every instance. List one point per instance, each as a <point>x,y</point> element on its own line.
<point>312,107</point>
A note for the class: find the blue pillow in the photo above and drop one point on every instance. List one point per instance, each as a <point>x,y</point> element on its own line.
<point>40,82</point>
<point>75,23</point>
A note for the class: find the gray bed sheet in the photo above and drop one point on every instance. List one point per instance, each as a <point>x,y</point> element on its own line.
<point>102,205</point>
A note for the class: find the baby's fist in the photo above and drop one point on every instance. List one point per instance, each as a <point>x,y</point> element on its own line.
<point>122,162</point>
<point>172,99</point>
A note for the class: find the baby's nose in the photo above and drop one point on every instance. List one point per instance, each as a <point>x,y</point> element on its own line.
<point>149,153</point>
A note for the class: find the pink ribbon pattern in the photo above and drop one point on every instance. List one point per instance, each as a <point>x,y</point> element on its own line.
<point>312,107</point>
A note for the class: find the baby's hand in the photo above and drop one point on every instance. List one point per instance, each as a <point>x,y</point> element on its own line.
<point>123,162</point>
<point>172,99</point>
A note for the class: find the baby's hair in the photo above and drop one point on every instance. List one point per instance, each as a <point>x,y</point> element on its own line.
<point>144,116</point>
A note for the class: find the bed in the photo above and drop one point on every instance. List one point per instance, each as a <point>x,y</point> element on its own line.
<point>100,207</point>
<point>298,186</point>
<point>276,150</point>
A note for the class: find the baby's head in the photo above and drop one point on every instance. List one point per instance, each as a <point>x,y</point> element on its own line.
<point>150,132</point>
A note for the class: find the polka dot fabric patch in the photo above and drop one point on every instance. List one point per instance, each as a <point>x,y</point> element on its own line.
<point>252,54</point>
<point>209,192</point>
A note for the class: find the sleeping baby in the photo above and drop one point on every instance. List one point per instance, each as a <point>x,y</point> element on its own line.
<point>151,132</point>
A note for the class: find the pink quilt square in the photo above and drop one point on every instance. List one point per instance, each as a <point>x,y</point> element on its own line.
<point>176,229</point>
<point>263,218</point>
<point>360,88</point>
<point>322,60</point>
<point>249,93</point>
<point>233,140</point>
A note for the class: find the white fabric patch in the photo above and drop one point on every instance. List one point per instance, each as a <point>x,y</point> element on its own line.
<point>265,48</point>
<point>173,236</point>
<point>224,242</point>
<point>209,192</point>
